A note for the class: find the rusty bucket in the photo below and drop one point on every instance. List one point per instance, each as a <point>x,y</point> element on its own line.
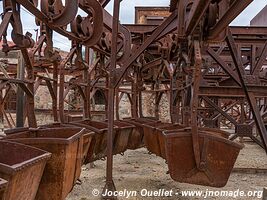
<point>161,137</point>
<point>218,156</point>
<point>3,186</point>
<point>136,138</point>
<point>151,136</point>
<point>173,127</point>
<point>64,167</point>
<point>22,166</point>
<point>123,131</point>
<point>98,147</point>
<point>87,136</point>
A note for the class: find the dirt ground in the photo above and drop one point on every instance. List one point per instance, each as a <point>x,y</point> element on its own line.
<point>138,170</point>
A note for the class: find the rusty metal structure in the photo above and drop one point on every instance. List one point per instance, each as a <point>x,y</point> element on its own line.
<point>214,76</point>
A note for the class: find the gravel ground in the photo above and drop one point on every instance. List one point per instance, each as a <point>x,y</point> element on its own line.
<point>138,170</point>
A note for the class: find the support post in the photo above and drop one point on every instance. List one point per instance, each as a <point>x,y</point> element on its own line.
<point>111,96</point>
<point>20,93</point>
<point>55,89</point>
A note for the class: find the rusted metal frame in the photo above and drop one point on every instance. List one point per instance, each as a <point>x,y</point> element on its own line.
<point>169,69</point>
<point>87,79</point>
<point>253,58</point>
<point>66,91</point>
<point>61,84</point>
<point>3,100</point>
<point>223,65</point>
<point>21,84</point>
<point>158,96</point>
<point>15,80</point>
<point>104,3</point>
<point>222,112</point>
<point>252,137</point>
<point>226,110</point>
<point>235,9</point>
<point>20,102</point>
<point>41,16</point>
<point>243,113</point>
<point>51,89</point>
<point>221,48</point>
<point>140,28</point>
<point>250,96</point>
<point>3,84</point>
<point>262,59</point>
<point>106,66</point>
<point>140,103</point>
<point>4,23</point>
<point>64,16</point>
<point>26,89</point>
<point>55,91</point>
<point>174,110</point>
<point>93,66</point>
<point>8,120</point>
<point>197,12</point>
<point>81,92</point>
<point>129,97</point>
<point>109,186</point>
<point>7,76</point>
<point>194,103</point>
<point>153,63</point>
<point>93,84</point>
<point>37,83</point>
<point>4,112</point>
<point>248,31</point>
<point>37,46</point>
<point>126,35</point>
<point>29,89</point>
<point>94,9</point>
<point>231,91</point>
<point>181,7</point>
<point>169,29</point>
<point>121,71</point>
<point>134,98</point>
<point>118,97</point>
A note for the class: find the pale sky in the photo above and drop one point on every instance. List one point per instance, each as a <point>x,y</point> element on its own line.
<point>127,16</point>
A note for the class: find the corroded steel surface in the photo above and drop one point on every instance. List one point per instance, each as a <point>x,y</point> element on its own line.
<point>23,170</point>
<point>64,166</point>
<point>215,166</point>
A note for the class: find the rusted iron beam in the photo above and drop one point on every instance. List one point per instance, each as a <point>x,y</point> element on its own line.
<point>20,94</point>
<point>231,13</point>
<point>223,113</point>
<point>223,65</point>
<point>104,3</point>
<point>250,96</point>
<point>260,61</point>
<point>4,23</point>
<point>197,12</point>
<point>121,71</point>
<point>109,186</point>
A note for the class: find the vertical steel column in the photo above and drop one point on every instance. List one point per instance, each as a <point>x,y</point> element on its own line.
<point>30,97</point>
<point>55,89</point>
<point>61,93</point>
<point>134,106</point>
<point>86,76</point>
<point>117,95</point>
<point>20,93</point>
<point>111,96</point>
